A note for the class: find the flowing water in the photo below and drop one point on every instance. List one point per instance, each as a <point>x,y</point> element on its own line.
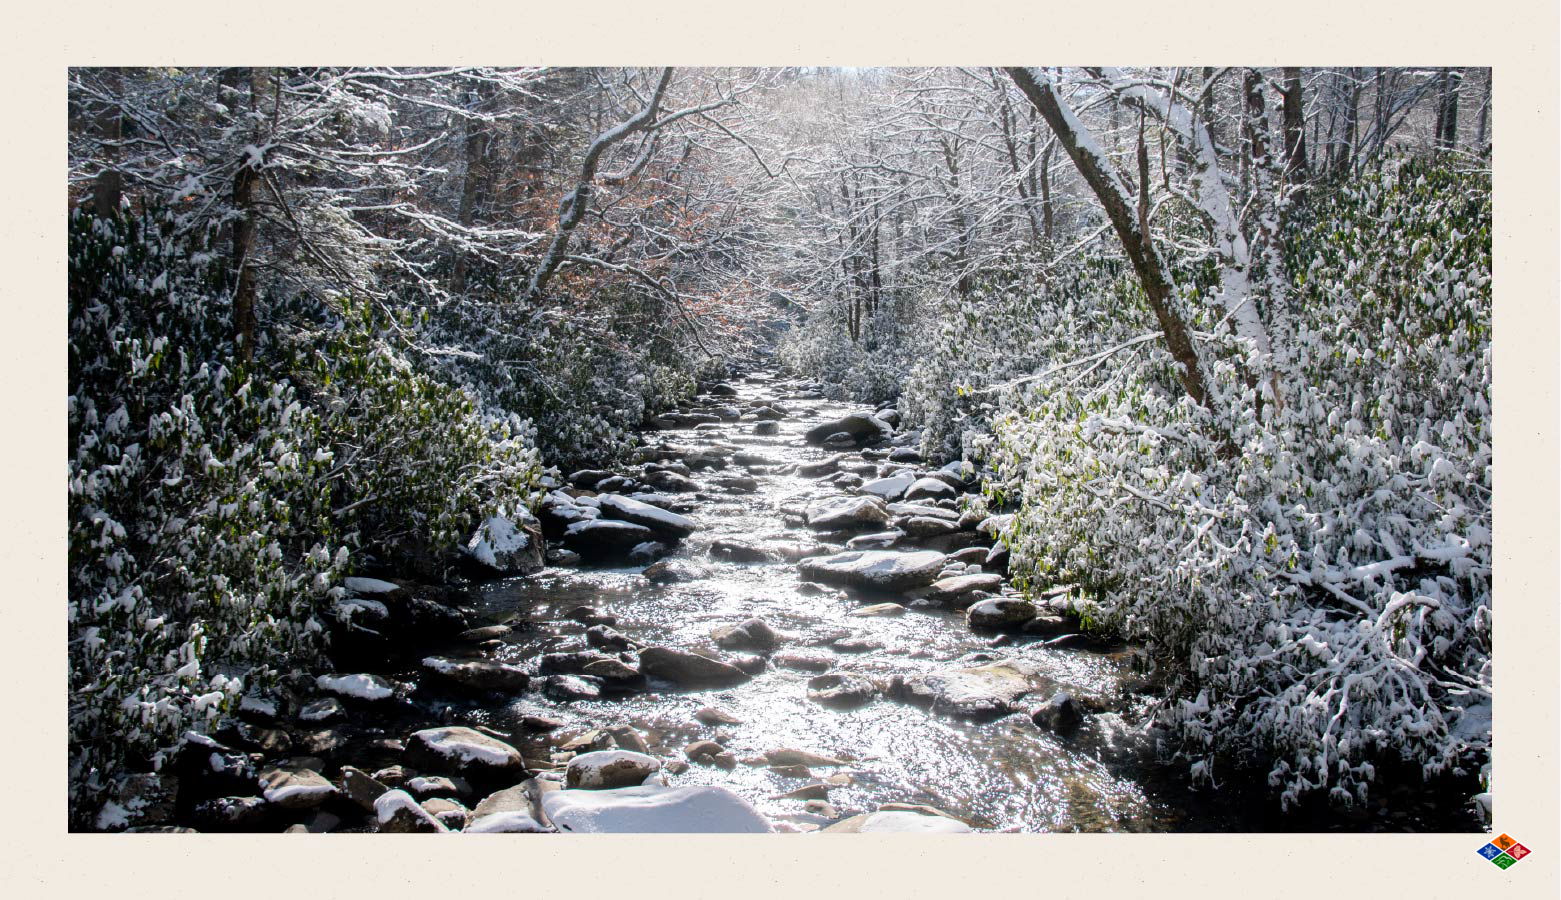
<point>1003,774</point>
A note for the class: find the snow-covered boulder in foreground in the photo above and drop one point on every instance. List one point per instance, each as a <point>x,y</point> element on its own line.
<point>891,488</point>
<point>504,547</point>
<point>850,514</point>
<point>653,809</point>
<point>882,570</point>
<point>978,692</point>
<point>898,821</point>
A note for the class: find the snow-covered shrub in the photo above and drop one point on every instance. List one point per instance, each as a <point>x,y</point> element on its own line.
<point>414,463</point>
<point>1015,322</point>
<point>584,389</point>
<point>198,509</point>
<point>1317,579</point>
<point>871,369</point>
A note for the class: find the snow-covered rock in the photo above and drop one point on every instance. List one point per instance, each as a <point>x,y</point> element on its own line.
<point>606,537</point>
<point>659,520</point>
<point>883,570</point>
<point>861,427</point>
<point>850,514</point>
<point>653,809</point>
<point>395,812</point>
<point>459,749</point>
<point>930,488</point>
<point>291,787</point>
<point>477,674</point>
<point>891,488</point>
<point>976,692</point>
<point>898,821</point>
<point>607,769</point>
<point>506,547</point>
<point>360,585</point>
<point>999,613</point>
<point>356,687</point>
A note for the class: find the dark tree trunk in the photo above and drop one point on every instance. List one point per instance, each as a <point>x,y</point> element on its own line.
<point>108,187</point>
<point>1129,226</point>
<point>1447,110</point>
<point>1295,127</point>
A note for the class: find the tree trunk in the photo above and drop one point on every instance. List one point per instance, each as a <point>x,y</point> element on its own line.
<point>1295,127</point>
<point>1447,110</point>
<point>244,182</point>
<point>1112,193</point>
<point>108,187</point>
<point>478,181</point>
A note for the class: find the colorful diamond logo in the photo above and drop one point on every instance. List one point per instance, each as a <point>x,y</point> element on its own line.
<point>1504,861</point>
<point>1490,851</point>
<point>1504,841</point>
<point>1504,851</point>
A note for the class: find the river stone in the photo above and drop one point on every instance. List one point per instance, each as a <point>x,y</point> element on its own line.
<point>714,715</point>
<point>930,488</point>
<point>804,660</point>
<point>955,586</point>
<point>450,813</point>
<point>588,478</point>
<point>462,750</point>
<point>841,690</point>
<point>140,800</point>
<point>977,692</point>
<point>230,814</point>
<point>673,571</point>
<point>840,440</point>
<point>851,514</point>
<point>925,526</point>
<point>1000,613</point>
<point>671,482</point>
<point>1060,713</point>
<point>820,469</point>
<point>859,427</point>
<point>371,688</point>
<point>503,546</point>
<point>736,551</point>
<point>590,615</point>
<point>607,769</point>
<point>703,751</point>
<point>689,669</point>
<point>879,609</point>
<point>787,756</point>
<point>653,809</point>
<point>293,787</point>
<point>655,518</point>
<point>608,638</point>
<point>362,788</point>
<point>477,674</point>
<point>571,687</point>
<point>898,822</point>
<point>878,540</point>
<point>767,413</point>
<point>882,570</point>
<point>513,810</point>
<point>889,489</point>
<point>749,634</point>
<point>570,663</point>
<point>606,537</point>
<point>612,670</point>
<point>768,427</point>
<point>395,812</point>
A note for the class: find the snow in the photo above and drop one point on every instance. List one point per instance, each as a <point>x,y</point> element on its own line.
<point>885,569</point>
<point>905,822</point>
<point>653,809</point>
<point>360,585</point>
<point>891,488</point>
<point>652,517</point>
<point>386,806</point>
<point>362,687</point>
<point>467,745</point>
<point>512,822</point>
<point>588,770</point>
<point>497,535</point>
<point>257,705</point>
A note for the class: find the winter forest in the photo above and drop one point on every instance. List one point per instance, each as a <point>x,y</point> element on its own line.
<point>545,450</point>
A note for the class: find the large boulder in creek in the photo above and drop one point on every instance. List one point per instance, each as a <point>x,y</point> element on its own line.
<point>462,751</point>
<point>890,489</point>
<point>850,514</point>
<point>689,669</point>
<point>977,692</point>
<point>862,427</point>
<point>842,690</point>
<point>880,570</point>
<point>294,787</point>
<point>606,537</point>
<point>661,521</point>
<point>651,809</point>
<point>608,769</point>
<point>395,812</point>
<point>503,546</point>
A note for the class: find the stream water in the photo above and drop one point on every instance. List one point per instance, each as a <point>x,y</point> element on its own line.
<point>1004,774</point>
